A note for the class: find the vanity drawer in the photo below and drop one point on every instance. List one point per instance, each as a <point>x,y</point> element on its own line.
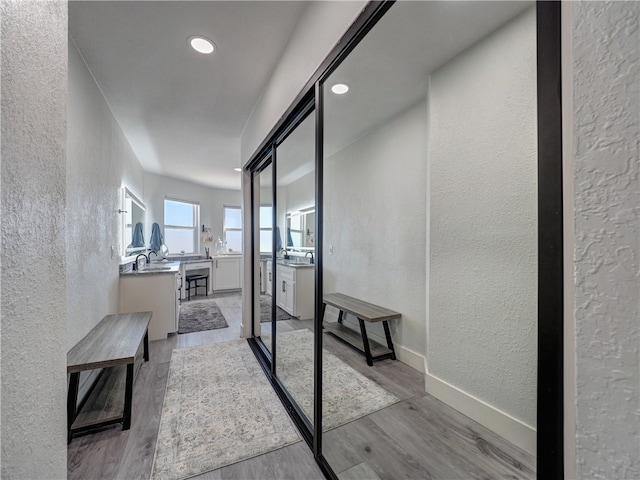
<point>287,273</point>
<point>197,265</point>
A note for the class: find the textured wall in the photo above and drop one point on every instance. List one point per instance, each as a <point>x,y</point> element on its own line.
<point>375,219</point>
<point>99,162</point>
<point>483,220</point>
<point>607,235</point>
<point>33,330</point>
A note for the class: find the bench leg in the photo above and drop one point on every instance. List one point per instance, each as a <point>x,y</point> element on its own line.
<point>72,400</point>
<point>387,334</point>
<point>146,346</point>
<point>128,398</point>
<point>365,341</point>
<point>324,307</point>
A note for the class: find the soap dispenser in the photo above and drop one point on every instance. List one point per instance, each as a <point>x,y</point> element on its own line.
<point>218,245</point>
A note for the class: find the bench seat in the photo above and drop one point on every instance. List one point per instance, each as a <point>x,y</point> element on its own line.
<point>364,312</point>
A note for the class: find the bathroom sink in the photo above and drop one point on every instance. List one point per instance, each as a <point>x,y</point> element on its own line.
<point>294,262</point>
<point>155,267</point>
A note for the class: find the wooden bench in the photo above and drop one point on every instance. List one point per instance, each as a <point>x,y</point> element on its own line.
<point>364,312</point>
<point>112,345</point>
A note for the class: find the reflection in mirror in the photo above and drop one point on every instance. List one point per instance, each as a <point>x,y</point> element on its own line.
<point>295,276</point>
<point>133,224</point>
<point>300,229</point>
<point>263,185</point>
<point>430,211</point>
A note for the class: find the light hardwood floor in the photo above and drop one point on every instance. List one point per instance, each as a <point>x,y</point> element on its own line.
<point>418,437</point>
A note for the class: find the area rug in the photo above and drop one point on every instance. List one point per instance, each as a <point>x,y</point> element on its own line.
<point>346,394</point>
<point>199,315</point>
<point>219,409</point>
<point>265,311</point>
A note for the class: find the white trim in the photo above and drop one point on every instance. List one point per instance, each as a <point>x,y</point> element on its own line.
<point>512,429</point>
<point>411,358</point>
<point>568,170</point>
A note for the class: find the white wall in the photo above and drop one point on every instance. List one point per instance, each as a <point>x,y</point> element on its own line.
<point>33,182</point>
<point>320,27</point>
<point>298,194</point>
<point>99,161</point>
<point>606,69</point>
<point>482,326</point>
<point>212,202</point>
<point>375,219</point>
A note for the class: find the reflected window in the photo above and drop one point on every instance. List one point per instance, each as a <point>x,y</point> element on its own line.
<point>266,228</point>
<point>233,228</point>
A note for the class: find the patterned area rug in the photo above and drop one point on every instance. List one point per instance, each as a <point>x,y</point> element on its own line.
<point>199,315</point>
<point>265,311</point>
<point>346,394</point>
<point>219,408</point>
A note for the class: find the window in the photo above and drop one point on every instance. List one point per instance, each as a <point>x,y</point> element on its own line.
<point>266,229</point>
<point>181,226</point>
<point>233,228</point>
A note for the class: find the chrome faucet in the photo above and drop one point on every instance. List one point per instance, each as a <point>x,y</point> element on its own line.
<point>286,254</point>
<point>146,258</point>
<point>311,261</point>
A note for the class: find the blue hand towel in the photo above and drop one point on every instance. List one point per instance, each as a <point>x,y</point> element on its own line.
<point>156,238</point>
<point>289,238</point>
<point>278,240</point>
<point>137,239</point>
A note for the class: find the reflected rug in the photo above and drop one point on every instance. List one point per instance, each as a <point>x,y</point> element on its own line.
<point>219,409</point>
<point>199,315</point>
<point>346,394</point>
<point>265,311</point>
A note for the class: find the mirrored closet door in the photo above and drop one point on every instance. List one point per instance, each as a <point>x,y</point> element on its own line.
<point>430,220</point>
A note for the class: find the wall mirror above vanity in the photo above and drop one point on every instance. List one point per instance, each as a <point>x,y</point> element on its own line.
<point>300,229</point>
<point>133,219</point>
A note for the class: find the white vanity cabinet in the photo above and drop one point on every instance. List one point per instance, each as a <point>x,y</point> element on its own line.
<point>294,290</point>
<point>156,292</point>
<point>269,278</point>
<point>226,273</point>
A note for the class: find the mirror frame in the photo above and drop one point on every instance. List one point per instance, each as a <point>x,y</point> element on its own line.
<point>126,192</point>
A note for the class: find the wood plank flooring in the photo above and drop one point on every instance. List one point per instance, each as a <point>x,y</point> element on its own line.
<point>418,437</point>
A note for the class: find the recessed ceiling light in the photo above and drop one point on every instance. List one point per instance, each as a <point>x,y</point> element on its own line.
<point>340,88</point>
<point>238,169</point>
<point>201,44</point>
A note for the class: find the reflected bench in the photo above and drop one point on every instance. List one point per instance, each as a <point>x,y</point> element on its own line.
<point>364,312</point>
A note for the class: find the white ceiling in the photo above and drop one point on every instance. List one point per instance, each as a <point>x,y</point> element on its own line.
<point>183,112</point>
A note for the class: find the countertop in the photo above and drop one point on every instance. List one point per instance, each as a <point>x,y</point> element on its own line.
<point>294,263</point>
<point>155,268</point>
<point>170,265</point>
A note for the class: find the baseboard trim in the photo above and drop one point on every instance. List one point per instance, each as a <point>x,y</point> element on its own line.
<point>512,429</point>
<point>411,358</point>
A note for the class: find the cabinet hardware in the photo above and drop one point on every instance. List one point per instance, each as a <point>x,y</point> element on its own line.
<point>283,286</point>
<point>269,276</point>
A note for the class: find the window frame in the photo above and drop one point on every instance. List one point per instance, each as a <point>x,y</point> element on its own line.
<point>226,229</point>
<point>196,221</point>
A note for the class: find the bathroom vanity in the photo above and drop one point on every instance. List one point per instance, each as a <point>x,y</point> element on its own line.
<point>294,288</point>
<point>156,289</point>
